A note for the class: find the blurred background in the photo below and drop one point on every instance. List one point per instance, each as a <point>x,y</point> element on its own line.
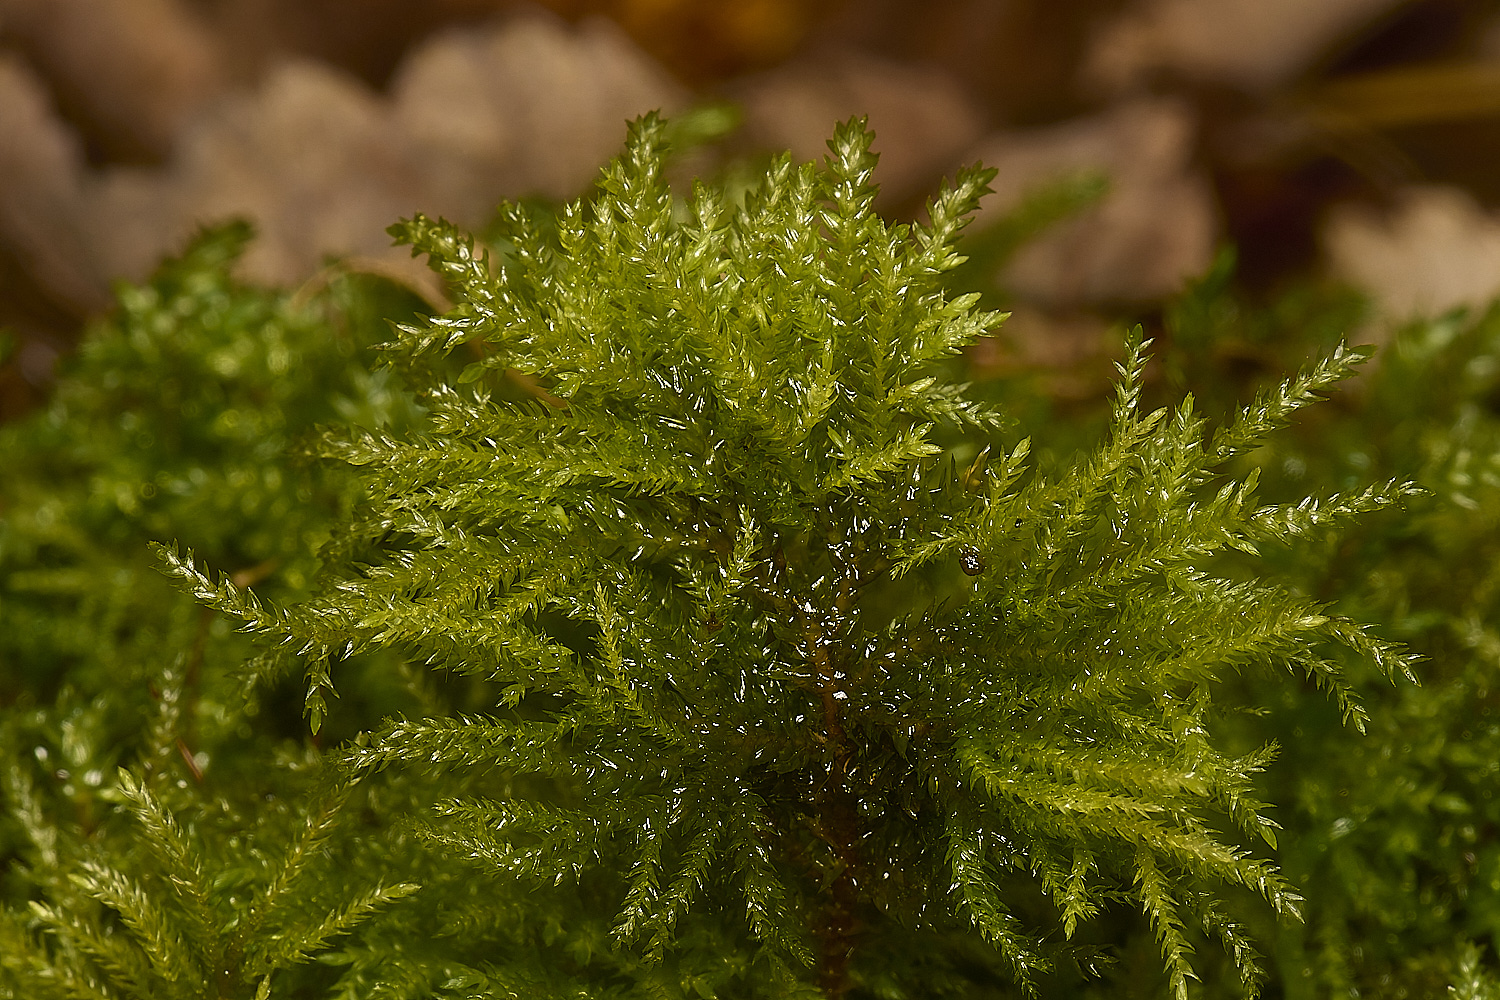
<point>1344,141</point>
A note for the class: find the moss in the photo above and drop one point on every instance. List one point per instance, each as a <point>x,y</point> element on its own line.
<point>697,634</point>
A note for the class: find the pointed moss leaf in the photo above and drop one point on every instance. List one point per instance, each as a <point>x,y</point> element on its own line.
<point>1273,407</point>
<point>1161,908</point>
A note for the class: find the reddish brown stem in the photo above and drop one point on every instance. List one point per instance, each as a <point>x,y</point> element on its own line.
<point>837,823</point>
